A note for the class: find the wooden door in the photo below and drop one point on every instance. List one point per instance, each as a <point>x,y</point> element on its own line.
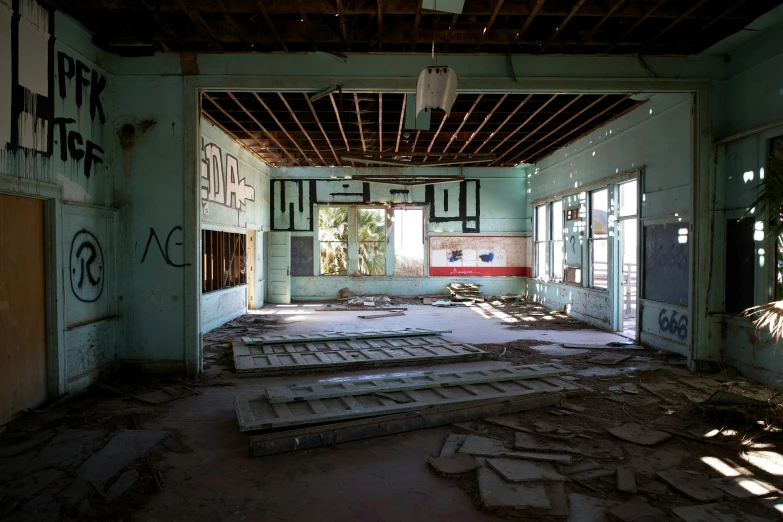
<point>22,306</point>
<point>280,267</point>
<point>250,263</point>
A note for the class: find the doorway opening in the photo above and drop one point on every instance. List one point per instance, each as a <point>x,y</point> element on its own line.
<point>629,252</point>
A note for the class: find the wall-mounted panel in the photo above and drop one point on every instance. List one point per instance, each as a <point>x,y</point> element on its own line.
<point>480,256</point>
<point>667,263</point>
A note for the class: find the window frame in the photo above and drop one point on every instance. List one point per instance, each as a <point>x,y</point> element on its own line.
<point>591,239</point>
<point>553,243</point>
<point>393,241</point>
<point>352,241</point>
<point>538,240</point>
<point>217,248</point>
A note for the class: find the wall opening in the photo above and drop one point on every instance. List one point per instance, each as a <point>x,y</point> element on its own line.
<point>224,256</point>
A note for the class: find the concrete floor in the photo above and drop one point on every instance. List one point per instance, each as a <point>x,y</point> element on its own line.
<point>381,479</point>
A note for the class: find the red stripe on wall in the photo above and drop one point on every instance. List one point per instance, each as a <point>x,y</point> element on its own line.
<point>489,271</point>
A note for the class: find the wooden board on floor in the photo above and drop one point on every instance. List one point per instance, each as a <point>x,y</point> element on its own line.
<point>342,336</point>
<point>336,346</point>
<point>257,413</point>
<point>22,306</point>
<point>436,379</point>
<point>249,365</point>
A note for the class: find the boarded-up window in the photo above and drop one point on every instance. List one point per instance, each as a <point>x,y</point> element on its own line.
<point>223,260</point>
<point>739,265</point>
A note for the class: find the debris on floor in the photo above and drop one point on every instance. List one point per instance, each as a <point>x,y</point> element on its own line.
<point>454,464</point>
<point>465,292</point>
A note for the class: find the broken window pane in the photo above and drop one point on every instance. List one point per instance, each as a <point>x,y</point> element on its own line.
<point>371,231</point>
<point>333,240</point>
<point>409,242</point>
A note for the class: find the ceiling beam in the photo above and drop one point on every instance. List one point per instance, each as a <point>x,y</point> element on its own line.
<point>162,25</point>
<point>552,117</point>
<point>519,106</point>
<point>560,27</point>
<point>528,21</point>
<point>525,122</point>
<point>450,34</point>
<point>303,17</point>
<point>318,121</point>
<point>341,17</point>
<point>359,118</point>
<point>465,119</point>
<point>601,22</point>
<point>416,26</point>
<point>266,132</point>
<point>445,117</point>
<point>575,129</point>
<point>415,141</point>
<point>486,119</point>
<point>299,124</point>
<point>638,22</point>
<point>402,119</point>
<point>679,19</point>
<point>216,123</point>
<point>721,16</point>
<point>339,122</point>
<point>569,120</point>
<point>263,129</point>
<point>270,25</point>
<point>280,125</point>
<point>498,5</point>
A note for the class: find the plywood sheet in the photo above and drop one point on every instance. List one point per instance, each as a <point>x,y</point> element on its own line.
<point>343,336</point>
<point>22,306</point>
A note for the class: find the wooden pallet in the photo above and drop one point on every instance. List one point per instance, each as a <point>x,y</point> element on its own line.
<point>412,381</point>
<point>248,364</point>
<point>336,346</point>
<point>342,336</point>
<point>258,413</point>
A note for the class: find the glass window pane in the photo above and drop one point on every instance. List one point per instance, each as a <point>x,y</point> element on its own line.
<point>541,223</point>
<point>557,260</point>
<point>333,238</point>
<point>599,263</point>
<point>371,231</point>
<point>557,220</point>
<point>628,199</point>
<point>409,242</point>
<point>599,223</point>
<point>541,259</point>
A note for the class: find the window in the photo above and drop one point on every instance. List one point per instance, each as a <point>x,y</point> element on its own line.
<point>541,241</point>
<point>740,255</point>
<point>333,240</point>
<point>599,242</point>
<point>408,242</point>
<point>223,260</point>
<point>371,226</point>
<point>556,233</point>
<point>628,199</point>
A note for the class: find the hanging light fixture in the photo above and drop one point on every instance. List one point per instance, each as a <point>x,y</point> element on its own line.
<point>437,85</point>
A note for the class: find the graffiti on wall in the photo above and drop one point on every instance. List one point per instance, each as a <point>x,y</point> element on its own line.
<point>223,184</point>
<point>164,249</point>
<point>26,78</point>
<point>86,87</point>
<point>86,267</point>
<point>673,324</point>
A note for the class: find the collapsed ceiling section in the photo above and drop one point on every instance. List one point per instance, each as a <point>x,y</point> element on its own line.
<point>650,27</point>
<point>370,129</point>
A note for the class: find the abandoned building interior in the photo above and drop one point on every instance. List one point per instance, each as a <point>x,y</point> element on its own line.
<point>287,260</point>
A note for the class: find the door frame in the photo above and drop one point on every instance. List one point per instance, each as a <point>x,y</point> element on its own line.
<point>53,261</point>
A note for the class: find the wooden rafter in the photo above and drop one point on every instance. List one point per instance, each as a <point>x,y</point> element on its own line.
<point>529,20</point>
<point>416,26</point>
<point>380,23</point>
<point>450,34</point>
<point>227,16</point>
<point>211,119</point>
<point>303,16</point>
<point>402,120</point>
<point>435,137</point>
<point>270,25</point>
<point>280,126</point>
<point>318,121</point>
<point>617,5</point>
<point>415,140</point>
<point>484,122</point>
<point>462,123</point>
<point>575,129</point>
<point>722,15</point>
<point>339,122</point>
<point>341,17</point>
<point>498,5</point>
<point>359,119</point>
<point>550,100</point>
<point>380,121</point>
<point>301,127</point>
<point>162,25</point>
<point>569,120</point>
<point>519,106</point>
<point>560,28</point>
<point>639,22</point>
<point>263,129</point>
<point>529,134</point>
<point>679,19</point>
